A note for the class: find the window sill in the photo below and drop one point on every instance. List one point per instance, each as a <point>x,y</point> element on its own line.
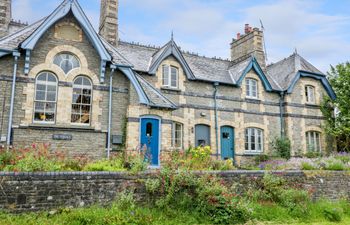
<point>252,100</point>
<point>170,89</point>
<point>252,153</point>
<point>311,104</point>
<point>58,127</point>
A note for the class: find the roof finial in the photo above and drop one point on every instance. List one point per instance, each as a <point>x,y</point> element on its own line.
<point>172,35</point>
<point>295,50</point>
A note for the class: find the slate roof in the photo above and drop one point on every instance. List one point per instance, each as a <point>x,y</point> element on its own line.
<point>12,41</point>
<point>156,98</point>
<point>141,58</point>
<point>284,71</point>
<point>117,58</point>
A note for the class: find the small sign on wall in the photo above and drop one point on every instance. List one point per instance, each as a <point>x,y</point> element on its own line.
<point>2,138</point>
<point>62,137</point>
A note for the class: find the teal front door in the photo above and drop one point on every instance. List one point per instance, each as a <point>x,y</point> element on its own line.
<point>227,142</point>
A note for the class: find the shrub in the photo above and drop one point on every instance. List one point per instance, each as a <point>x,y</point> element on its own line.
<point>307,166</point>
<point>106,165</point>
<point>35,159</point>
<point>282,147</point>
<point>126,200</point>
<point>333,214</point>
<point>261,158</point>
<point>312,154</point>
<point>335,166</point>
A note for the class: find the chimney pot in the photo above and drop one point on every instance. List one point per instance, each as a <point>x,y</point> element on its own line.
<point>238,36</point>
<point>246,28</point>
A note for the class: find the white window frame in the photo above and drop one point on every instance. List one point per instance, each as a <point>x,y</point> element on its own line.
<point>46,84</point>
<point>252,88</point>
<point>258,136</point>
<point>313,141</point>
<point>310,94</point>
<point>175,131</point>
<point>168,76</point>
<point>81,104</point>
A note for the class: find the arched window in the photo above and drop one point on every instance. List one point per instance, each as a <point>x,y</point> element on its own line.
<point>66,61</point>
<point>202,135</point>
<point>254,140</point>
<point>45,98</point>
<point>313,142</point>
<point>82,98</point>
<point>251,88</point>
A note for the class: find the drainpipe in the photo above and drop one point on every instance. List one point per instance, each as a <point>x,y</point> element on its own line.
<point>9,130</point>
<point>110,111</point>
<point>281,114</point>
<point>216,84</point>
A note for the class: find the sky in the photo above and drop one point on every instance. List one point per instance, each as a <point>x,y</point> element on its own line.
<point>319,30</point>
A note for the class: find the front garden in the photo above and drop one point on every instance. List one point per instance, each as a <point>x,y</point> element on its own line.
<point>177,195</point>
<point>39,158</point>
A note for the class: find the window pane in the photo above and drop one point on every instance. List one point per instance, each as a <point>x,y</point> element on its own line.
<point>86,91</point>
<point>173,77</point>
<point>50,117</point>
<point>166,75</point>
<point>76,109</point>
<point>40,87</point>
<point>39,106</point>
<point>85,119</point>
<point>51,96</point>
<point>51,78</point>
<point>75,118</point>
<point>40,95</point>
<point>50,107</point>
<point>39,116</point>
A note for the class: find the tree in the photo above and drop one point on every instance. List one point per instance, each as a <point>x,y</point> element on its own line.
<point>337,112</point>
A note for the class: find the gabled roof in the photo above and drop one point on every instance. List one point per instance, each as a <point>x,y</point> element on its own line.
<point>288,71</point>
<point>285,70</point>
<point>170,49</point>
<point>61,11</point>
<point>254,65</point>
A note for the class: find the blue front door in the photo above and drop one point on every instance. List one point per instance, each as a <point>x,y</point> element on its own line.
<point>150,140</point>
<point>227,142</point>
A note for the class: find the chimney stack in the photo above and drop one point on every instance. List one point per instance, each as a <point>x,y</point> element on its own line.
<point>5,17</point>
<point>249,44</point>
<point>109,21</point>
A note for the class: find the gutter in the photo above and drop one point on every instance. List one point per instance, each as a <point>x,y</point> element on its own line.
<point>9,130</point>
<point>216,84</point>
<point>113,67</point>
<point>281,114</point>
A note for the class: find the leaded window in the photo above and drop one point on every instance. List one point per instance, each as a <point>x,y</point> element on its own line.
<point>67,62</point>
<point>254,140</point>
<point>313,142</point>
<point>177,135</point>
<point>45,98</point>
<point>82,98</point>
<point>170,76</point>
<point>251,88</point>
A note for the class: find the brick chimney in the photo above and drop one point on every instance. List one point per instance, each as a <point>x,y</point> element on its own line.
<point>249,44</point>
<point>109,21</point>
<point>5,16</point>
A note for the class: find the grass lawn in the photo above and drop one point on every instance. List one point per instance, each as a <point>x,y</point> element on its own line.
<point>269,215</point>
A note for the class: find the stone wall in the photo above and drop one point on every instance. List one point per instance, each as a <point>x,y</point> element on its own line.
<point>23,192</point>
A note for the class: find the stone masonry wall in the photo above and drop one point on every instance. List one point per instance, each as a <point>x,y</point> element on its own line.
<point>23,192</point>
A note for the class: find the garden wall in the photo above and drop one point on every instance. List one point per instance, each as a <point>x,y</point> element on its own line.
<point>23,192</point>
